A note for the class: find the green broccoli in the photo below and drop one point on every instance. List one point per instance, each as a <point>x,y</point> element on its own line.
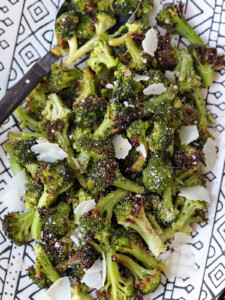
<point>129,242</point>
<point>117,118</point>
<point>85,29</point>
<point>36,100</point>
<point>79,291</point>
<point>106,172</point>
<point>191,212</point>
<point>55,221</point>
<point>61,78</point>
<point>15,167</point>
<point>172,18</point>
<point>130,213</point>
<point>86,86</point>
<point>32,196</point>
<point>145,8</point>
<point>137,134</point>
<point>187,79</point>
<point>43,274</point>
<point>158,174</point>
<point>27,120</point>
<point>103,21</point>
<point>84,6</point>
<point>57,178</point>
<point>17,226</point>
<point>161,138</point>
<point>101,56</point>
<point>124,7</point>
<point>147,281</point>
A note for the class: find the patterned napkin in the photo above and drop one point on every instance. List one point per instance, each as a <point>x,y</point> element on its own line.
<point>26,35</point>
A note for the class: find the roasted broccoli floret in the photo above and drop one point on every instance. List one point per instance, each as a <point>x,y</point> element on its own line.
<point>130,213</point>
<point>55,220</point>
<point>172,18</point>
<point>43,274</point>
<point>166,55</point>
<point>206,60</point>
<point>85,29</point>
<point>187,80</point>
<point>27,120</point>
<point>36,100</point>
<point>125,7</point>
<point>61,78</point>
<point>129,242</point>
<point>191,212</point>
<point>79,291</point>
<point>161,138</point>
<point>117,119</point>
<point>17,226</point>
<point>65,29</point>
<point>57,178</point>
<point>146,7</point>
<point>77,263</point>
<point>137,134</point>
<point>147,281</point>
<point>86,86</point>
<point>186,157</point>
<point>32,196</point>
<point>158,174</point>
<point>125,87</point>
<point>164,208</point>
<point>103,21</point>
<point>137,55</point>
<point>84,6</point>
<point>101,56</point>
<point>106,172</point>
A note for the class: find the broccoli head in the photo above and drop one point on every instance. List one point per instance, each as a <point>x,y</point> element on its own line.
<point>161,138</point>
<point>106,172</point>
<point>66,25</point>
<point>32,196</point>
<point>158,174</point>
<point>36,100</point>
<point>85,29</point>
<point>61,78</point>
<point>184,159</point>
<point>124,7</point>
<point>84,6</point>
<point>101,56</point>
<point>21,150</point>
<point>17,226</point>
<point>166,55</point>
<point>79,291</point>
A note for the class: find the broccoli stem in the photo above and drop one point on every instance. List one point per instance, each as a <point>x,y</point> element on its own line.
<point>144,228</point>
<point>184,29</point>
<point>26,119</point>
<point>118,41</point>
<point>73,45</point>
<point>36,135</point>
<point>107,203</point>
<point>128,185</point>
<point>167,212</point>
<point>14,166</point>
<point>134,51</point>
<point>43,262</point>
<point>104,130</point>
<point>87,47</point>
<point>200,104</point>
<point>141,254</point>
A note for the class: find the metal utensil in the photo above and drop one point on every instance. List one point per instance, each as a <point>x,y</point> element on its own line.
<point>29,81</point>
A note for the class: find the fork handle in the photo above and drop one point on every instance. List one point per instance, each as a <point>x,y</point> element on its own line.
<point>25,85</point>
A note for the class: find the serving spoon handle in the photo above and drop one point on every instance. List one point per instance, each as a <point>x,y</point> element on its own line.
<point>25,85</point>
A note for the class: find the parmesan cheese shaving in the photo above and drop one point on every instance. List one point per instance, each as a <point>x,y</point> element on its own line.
<point>210,153</point>
<point>142,150</point>
<point>84,207</point>
<point>188,134</point>
<point>93,277</point>
<point>195,193</point>
<point>138,77</point>
<point>150,42</point>
<point>154,89</point>
<point>48,152</point>
<point>121,145</point>
<point>170,76</point>
<point>59,290</point>
<point>180,239</point>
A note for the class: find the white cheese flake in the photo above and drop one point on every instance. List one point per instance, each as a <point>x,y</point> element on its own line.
<point>48,152</point>
<point>142,150</point>
<point>138,77</point>
<point>59,290</point>
<point>180,263</point>
<point>150,42</point>
<point>109,86</point>
<point>210,153</point>
<point>170,76</point>
<point>11,196</point>
<point>93,277</point>
<point>154,89</point>
<point>180,239</point>
<point>84,207</point>
<point>195,193</point>
<point>122,146</point>
<point>188,134</point>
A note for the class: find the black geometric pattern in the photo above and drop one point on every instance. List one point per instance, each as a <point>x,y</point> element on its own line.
<point>31,37</point>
